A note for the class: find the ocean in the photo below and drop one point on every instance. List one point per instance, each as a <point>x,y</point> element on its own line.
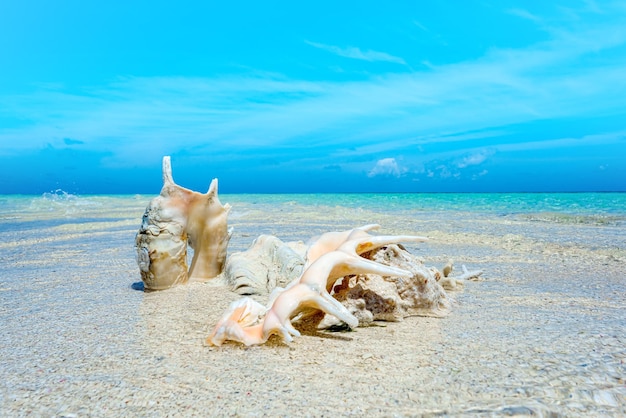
<point>254,213</point>
<point>544,333</point>
<point>584,207</point>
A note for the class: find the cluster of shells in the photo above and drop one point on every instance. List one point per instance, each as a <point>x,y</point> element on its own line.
<point>339,279</point>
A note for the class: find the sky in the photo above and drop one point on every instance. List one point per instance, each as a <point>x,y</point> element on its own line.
<point>313,97</point>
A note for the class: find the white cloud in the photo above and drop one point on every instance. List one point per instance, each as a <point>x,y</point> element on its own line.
<point>448,165</point>
<point>419,25</point>
<point>474,158</point>
<point>524,14</point>
<point>444,171</point>
<point>481,174</point>
<point>584,141</point>
<point>357,53</point>
<point>386,167</point>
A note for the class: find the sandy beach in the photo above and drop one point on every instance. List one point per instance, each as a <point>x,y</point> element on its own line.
<point>544,334</point>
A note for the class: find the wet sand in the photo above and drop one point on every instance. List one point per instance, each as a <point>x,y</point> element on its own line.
<point>543,334</point>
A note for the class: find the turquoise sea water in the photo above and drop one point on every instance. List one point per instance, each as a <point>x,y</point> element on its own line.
<point>500,203</point>
<point>610,205</point>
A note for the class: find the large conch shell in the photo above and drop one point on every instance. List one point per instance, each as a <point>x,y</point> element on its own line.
<point>268,263</point>
<point>175,218</point>
<point>331,256</point>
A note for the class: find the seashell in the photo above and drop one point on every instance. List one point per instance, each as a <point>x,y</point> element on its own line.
<point>268,263</point>
<point>330,257</point>
<point>447,269</point>
<point>174,219</point>
<point>349,278</point>
<point>208,232</point>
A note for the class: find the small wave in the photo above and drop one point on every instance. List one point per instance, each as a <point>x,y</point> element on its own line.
<point>62,202</point>
<point>59,195</point>
<point>564,218</point>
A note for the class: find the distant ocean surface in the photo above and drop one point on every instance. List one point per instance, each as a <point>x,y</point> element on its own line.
<point>499,203</point>
<point>567,207</point>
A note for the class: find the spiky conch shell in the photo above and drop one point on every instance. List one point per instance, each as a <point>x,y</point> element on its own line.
<point>174,219</point>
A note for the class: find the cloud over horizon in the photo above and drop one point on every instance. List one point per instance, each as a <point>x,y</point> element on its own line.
<point>386,167</point>
<point>474,158</point>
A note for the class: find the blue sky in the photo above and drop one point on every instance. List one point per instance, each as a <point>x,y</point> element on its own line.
<point>313,97</point>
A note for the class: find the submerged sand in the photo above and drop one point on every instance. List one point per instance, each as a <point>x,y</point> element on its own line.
<point>544,334</point>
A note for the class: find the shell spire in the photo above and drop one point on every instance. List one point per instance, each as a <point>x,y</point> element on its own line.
<point>167,172</point>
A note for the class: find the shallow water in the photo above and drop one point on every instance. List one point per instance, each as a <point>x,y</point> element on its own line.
<point>544,334</point>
